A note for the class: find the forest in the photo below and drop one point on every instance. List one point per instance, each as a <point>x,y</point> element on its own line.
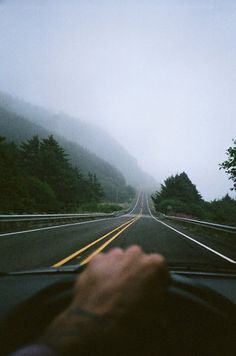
<point>179,196</point>
<point>96,147</point>
<point>38,176</point>
<point>16,128</point>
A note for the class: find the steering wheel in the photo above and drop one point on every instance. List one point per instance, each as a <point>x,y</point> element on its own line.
<point>193,320</point>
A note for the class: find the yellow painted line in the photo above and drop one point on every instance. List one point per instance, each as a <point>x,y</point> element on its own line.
<point>87,259</point>
<point>76,253</point>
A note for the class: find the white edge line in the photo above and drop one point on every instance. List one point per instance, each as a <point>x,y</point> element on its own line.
<point>134,206</point>
<point>54,227</point>
<point>65,225</point>
<point>190,238</point>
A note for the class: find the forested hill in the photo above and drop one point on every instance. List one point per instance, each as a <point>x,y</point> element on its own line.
<point>89,136</point>
<point>17,128</point>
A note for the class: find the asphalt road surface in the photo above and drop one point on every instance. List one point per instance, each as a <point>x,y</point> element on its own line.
<point>77,243</point>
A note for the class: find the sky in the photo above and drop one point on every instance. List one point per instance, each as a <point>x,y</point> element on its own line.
<point>159,76</point>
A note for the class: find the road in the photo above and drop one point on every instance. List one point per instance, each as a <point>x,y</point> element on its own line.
<point>77,243</point>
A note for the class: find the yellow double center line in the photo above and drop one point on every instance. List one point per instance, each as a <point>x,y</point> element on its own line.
<point>121,229</point>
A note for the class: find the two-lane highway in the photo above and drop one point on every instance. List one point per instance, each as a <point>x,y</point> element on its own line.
<point>77,243</point>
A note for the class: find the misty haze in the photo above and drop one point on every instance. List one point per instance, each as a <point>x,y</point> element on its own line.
<point>158,77</point>
<point>119,113</point>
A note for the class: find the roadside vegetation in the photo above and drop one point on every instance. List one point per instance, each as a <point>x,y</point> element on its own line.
<point>37,176</point>
<point>102,207</point>
<point>179,196</point>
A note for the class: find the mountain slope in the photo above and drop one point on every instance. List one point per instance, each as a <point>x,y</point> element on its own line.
<point>16,128</point>
<point>87,135</point>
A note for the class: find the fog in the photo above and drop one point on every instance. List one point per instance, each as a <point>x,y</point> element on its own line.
<point>160,76</point>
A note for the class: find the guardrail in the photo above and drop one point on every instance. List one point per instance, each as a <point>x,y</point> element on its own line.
<point>227,228</point>
<point>39,217</point>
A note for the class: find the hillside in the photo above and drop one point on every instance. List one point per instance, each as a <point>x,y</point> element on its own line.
<point>89,136</point>
<point>17,128</point>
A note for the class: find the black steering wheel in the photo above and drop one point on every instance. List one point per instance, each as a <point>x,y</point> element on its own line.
<point>195,320</point>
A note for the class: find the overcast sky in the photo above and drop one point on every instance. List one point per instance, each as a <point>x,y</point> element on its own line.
<point>160,76</point>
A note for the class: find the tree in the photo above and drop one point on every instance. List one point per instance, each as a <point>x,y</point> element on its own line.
<point>54,161</point>
<point>40,197</point>
<point>179,187</point>
<point>30,154</point>
<point>39,177</point>
<point>178,195</point>
<point>94,188</point>
<point>12,187</point>
<point>223,210</point>
<point>229,165</point>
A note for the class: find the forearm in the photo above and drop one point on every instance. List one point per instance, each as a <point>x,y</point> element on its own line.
<point>77,331</point>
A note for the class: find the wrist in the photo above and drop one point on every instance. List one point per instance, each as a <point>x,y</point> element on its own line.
<point>83,313</point>
<point>72,332</point>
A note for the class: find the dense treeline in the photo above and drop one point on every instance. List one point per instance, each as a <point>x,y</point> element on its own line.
<point>17,129</point>
<point>179,196</point>
<point>37,176</point>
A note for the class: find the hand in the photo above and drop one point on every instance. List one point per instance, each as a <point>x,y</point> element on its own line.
<point>116,298</point>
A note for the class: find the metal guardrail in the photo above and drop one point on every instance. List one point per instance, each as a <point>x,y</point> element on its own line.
<point>35,217</point>
<point>228,228</point>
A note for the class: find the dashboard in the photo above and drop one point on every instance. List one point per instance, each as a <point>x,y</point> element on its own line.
<point>16,289</point>
<point>34,299</point>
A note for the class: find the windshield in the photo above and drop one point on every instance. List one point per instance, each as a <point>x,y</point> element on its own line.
<point>117,127</point>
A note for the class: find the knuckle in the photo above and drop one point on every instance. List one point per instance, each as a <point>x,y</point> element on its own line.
<point>116,251</point>
<point>161,260</point>
<point>98,256</point>
<point>155,261</point>
<point>134,249</point>
<point>96,259</point>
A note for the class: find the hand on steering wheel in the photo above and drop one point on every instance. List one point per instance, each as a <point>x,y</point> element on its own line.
<point>125,303</point>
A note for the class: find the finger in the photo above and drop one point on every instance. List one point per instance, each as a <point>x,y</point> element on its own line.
<point>96,259</point>
<point>156,265</point>
<point>134,251</point>
<point>115,251</point>
<point>156,260</point>
<point>113,256</point>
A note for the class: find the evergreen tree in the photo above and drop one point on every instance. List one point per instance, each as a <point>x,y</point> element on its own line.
<point>13,188</point>
<point>179,187</point>
<point>30,154</point>
<point>229,165</point>
<point>223,210</point>
<point>178,194</point>
<point>38,177</point>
